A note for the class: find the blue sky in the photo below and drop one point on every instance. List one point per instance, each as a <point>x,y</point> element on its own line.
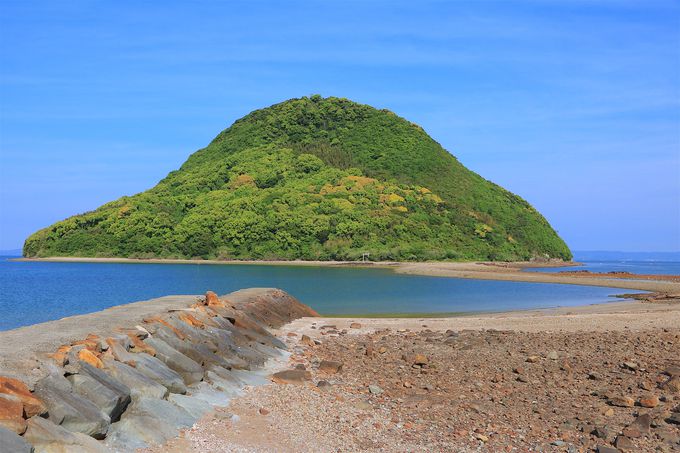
<point>574,105</point>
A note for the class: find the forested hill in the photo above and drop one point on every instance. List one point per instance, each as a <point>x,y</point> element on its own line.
<point>318,179</point>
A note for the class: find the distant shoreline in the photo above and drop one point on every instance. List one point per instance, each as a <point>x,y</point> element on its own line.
<point>500,271</point>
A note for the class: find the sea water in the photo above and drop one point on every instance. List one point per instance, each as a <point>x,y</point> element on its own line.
<point>33,292</point>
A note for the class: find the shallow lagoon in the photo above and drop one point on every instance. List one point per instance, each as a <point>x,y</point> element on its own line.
<point>33,292</point>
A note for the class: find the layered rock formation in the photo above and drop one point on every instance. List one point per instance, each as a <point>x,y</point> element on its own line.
<point>142,384</point>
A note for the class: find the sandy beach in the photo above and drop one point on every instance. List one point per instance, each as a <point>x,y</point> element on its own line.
<point>474,270</point>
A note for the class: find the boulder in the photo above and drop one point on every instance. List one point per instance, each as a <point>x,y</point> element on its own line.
<point>255,378</point>
<point>88,356</point>
<point>107,380</point>
<point>71,410</point>
<point>118,347</point>
<point>207,393</point>
<point>47,437</point>
<point>158,371</point>
<point>197,351</point>
<point>139,384</point>
<point>194,406</point>
<point>12,413</point>
<point>107,400</point>
<point>148,421</point>
<point>228,386</point>
<point>138,431</point>
<point>163,409</point>
<point>11,442</point>
<point>190,371</point>
<point>32,405</point>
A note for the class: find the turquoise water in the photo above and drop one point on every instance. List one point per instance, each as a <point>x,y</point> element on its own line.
<point>33,292</point>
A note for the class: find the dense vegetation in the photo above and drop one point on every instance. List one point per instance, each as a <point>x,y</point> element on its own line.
<point>313,178</point>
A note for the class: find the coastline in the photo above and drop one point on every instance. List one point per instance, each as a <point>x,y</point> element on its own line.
<point>469,270</point>
<point>487,349</point>
<point>24,348</point>
<point>485,377</point>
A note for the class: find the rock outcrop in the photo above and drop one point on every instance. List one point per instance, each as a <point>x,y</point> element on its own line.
<point>143,384</point>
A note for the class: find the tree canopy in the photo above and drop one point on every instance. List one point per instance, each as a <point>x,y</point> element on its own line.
<point>317,179</point>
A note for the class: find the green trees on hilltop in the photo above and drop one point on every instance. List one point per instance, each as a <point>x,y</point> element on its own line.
<point>313,178</point>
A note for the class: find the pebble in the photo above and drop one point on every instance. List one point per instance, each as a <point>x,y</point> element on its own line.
<point>375,390</point>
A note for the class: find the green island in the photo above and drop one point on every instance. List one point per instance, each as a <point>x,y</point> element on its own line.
<point>314,179</point>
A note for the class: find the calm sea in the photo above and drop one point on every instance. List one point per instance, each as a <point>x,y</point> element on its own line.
<point>33,292</point>
<point>638,267</point>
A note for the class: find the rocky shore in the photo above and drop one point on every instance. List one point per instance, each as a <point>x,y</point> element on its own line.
<point>144,371</point>
<point>257,371</point>
<point>603,378</point>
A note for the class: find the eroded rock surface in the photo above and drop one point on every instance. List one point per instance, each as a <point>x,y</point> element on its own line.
<point>140,384</point>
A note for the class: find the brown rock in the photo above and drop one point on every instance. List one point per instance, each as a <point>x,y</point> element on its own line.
<point>92,343</point>
<point>382,350</point>
<point>12,413</point>
<point>624,444</point>
<point>291,334</point>
<point>533,359</point>
<point>632,366</point>
<point>606,449</point>
<point>622,401</point>
<point>650,401</point>
<point>323,385</point>
<point>306,340</point>
<point>355,325</point>
<point>263,411</point>
<point>292,377</point>
<point>672,385</point>
<point>88,356</point>
<point>419,359</point>
<point>191,320</point>
<point>32,405</point>
<point>672,370</point>
<point>639,427</point>
<point>212,299</point>
<point>137,345</point>
<point>330,367</point>
<point>644,385</point>
<point>61,354</point>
